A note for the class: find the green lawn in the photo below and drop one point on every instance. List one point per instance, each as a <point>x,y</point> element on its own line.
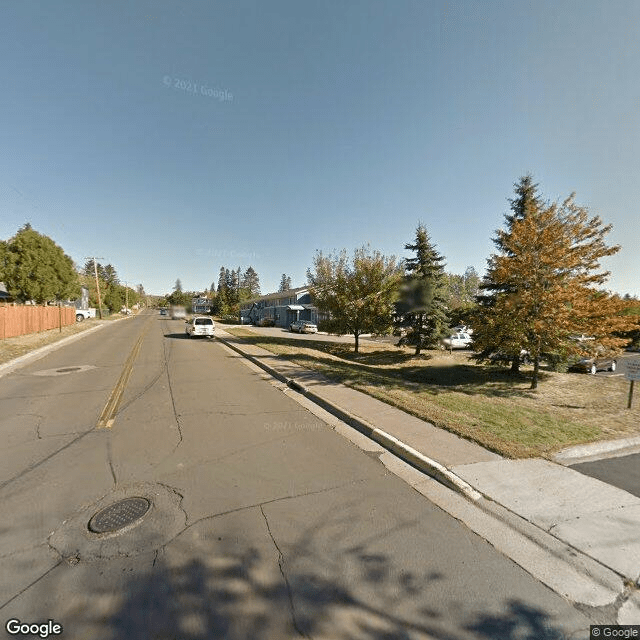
<point>482,403</point>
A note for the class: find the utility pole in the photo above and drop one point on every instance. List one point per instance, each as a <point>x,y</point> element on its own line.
<point>95,269</point>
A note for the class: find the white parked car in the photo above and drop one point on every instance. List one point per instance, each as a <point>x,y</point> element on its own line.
<point>200,326</point>
<point>460,340</point>
<point>303,326</point>
<point>463,328</point>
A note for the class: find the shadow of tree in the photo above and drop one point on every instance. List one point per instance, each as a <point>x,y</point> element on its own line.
<point>205,587</point>
<point>366,368</point>
<point>521,621</point>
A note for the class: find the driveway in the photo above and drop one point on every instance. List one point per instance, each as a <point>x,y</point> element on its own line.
<point>281,332</point>
<point>622,472</point>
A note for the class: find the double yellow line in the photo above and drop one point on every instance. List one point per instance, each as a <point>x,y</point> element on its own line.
<point>108,415</point>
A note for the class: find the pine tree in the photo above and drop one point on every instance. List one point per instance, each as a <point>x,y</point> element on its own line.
<point>110,275</point>
<point>178,286</point>
<point>526,202</point>
<point>251,282</point>
<point>422,304</point>
<point>285,282</point>
<point>222,279</point>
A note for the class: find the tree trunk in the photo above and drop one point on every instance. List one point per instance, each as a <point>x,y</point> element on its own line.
<point>418,332</point>
<point>357,336</point>
<point>515,364</point>
<point>536,367</point>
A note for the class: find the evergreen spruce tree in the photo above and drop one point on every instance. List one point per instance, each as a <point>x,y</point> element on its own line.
<point>527,202</point>
<point>285,282</point>
<point>422,305</point>
<point>251,282</point>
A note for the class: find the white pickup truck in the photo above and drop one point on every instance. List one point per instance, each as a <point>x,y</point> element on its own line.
<point>83,314</point>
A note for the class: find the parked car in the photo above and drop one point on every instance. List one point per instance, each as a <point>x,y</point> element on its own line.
<point>459,340</point>
<point>303,326</point>
<point>463,328</point>
<point>500,357</point>
<point>199,326</point>
<point>266,322</point>
<point>582,338</point>
<point>594,364</point>
<point>163,312</point>
<point>83,314</point>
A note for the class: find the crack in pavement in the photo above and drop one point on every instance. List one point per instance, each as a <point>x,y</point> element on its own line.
<point>17,595</point>
<point>35,465</point>
<point>171,394</point>
<point>110,460</point>
<point>246,507</point>
<point>292,607</point>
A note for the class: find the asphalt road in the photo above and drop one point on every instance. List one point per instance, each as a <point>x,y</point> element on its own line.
<point>622,472</point>
<point>264,522</point>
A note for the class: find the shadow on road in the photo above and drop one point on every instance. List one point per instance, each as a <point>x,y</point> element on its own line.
<point>208,586</point>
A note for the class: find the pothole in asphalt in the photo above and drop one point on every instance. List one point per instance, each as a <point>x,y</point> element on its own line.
<point>119,515</point>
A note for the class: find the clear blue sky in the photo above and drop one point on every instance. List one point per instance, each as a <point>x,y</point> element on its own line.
<point>343,123</point>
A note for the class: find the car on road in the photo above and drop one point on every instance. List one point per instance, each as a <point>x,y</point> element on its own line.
<point>200,326</point>
<point>303,326</point>
<point>594,364</point>
<point>460,340</point>
<point>163,312</point>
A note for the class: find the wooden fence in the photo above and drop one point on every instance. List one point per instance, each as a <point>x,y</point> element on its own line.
<point>20,320</point>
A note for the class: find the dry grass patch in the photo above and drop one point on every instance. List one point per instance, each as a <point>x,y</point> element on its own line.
<point>11,348</point>
<point>481,403</point>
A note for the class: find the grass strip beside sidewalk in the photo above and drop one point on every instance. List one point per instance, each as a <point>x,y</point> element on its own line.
<point>485,404</point>
<point>11,348</point>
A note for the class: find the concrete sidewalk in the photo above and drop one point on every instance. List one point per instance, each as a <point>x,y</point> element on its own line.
<point>592,517</point>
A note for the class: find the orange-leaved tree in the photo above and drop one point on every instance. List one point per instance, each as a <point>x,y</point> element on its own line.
<point>544,286</point>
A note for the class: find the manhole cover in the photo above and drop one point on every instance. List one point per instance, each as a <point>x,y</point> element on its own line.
<point>68,370</point>
<point>119,514</point>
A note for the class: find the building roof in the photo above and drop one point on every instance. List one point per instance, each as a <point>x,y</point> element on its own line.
<point>278,294</point>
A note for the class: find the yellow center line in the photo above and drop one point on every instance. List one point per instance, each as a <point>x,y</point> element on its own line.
<point>108,415</point>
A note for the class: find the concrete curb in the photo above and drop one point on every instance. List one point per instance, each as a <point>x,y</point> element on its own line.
<point>597,451</point>
<point>413,457</point>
